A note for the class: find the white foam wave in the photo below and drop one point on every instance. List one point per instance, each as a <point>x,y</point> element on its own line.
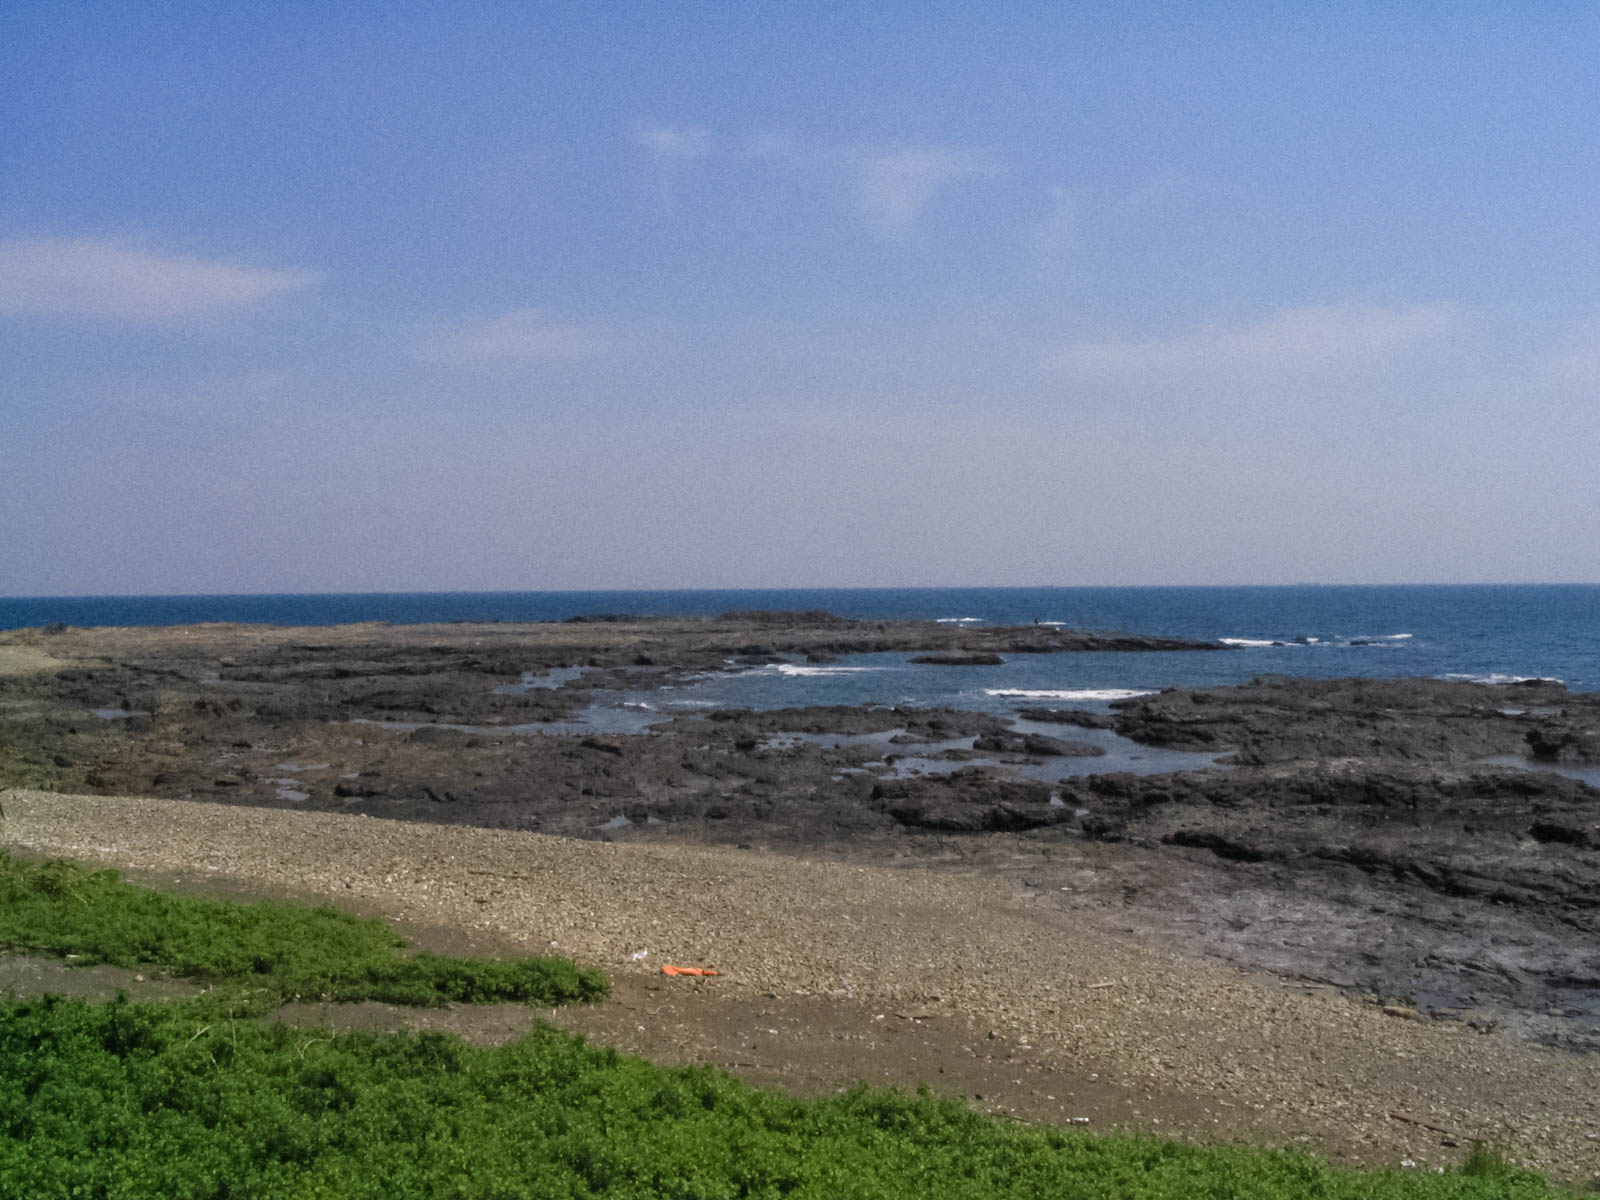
<point>1069,693</point>
<point>1497,678</point>
<point>1248,642</point>
<point>794,669</point>
<point>959,620</point>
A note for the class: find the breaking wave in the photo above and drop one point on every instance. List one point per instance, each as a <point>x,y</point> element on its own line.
<point>794,669</point>
<point>1069,693</point>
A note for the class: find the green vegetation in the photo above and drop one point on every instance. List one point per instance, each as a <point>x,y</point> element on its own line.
<point>180,1101</point>
<point>197,1100</point>
<point>279,950</point>
<point>1488,1162</point>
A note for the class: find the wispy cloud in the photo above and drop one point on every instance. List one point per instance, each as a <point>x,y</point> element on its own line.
<point>99,278</point>
<point>1575,366</point>
<point>1297,341</point>
<point>896,186</point>
<point>527,335</point>
<point>673,143</point>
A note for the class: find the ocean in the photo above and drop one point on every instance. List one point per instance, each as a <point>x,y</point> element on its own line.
<point>1495,633</point>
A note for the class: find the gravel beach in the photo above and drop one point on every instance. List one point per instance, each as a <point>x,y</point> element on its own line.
<point>983,983</point>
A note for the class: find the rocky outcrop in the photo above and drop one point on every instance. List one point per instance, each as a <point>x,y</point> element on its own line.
<point>1486,883</point>
<point>1563,740</point>
<point>1082,718</point>
<point>1036,745</point>
<point>1280,719</point>
<point>972,800</point>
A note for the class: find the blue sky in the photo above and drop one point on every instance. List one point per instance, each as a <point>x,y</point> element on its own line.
<point>402,297</point>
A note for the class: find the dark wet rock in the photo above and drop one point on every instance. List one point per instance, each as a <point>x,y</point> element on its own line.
<point>960,660</point>
<point>782,618</point>
<point>359,788</point>
<point>1039,744</point>
<point>1082,718</point>
<point>1282,719</point>
<point>971,800</point>
<point>1567,833</point>
<point>1566,743</point>
<point>1219,844</point>
<point>1035,744</point>
<point>945,724</point>
<point>923,724</point>
<point>1078,639</point>
<point>1443,858</point>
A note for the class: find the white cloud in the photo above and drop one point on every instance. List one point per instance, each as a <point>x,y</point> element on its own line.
<point>97,278</point>
<point>1575,368</point>
<point>673,143</point>
<point>1312,340</point>
<point>896,186</point>
<point>524,335</point>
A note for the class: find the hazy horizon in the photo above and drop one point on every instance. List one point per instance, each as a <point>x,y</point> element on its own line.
<point>391,299</point>
<point>822,588</point>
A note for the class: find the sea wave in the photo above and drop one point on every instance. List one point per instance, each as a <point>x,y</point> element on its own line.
<point>1497,678</point>
<point>795,669</point>
<point>1382,639</point>
<point>958,620</point>
<point>1069,693</point>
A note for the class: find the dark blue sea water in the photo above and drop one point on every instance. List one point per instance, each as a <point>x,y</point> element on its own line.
<point>1492,633</point>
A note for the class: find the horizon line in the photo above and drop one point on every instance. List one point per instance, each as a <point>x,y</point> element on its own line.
<point>577,591</point>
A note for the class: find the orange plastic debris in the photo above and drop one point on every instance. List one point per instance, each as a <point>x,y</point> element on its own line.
<point>669,969</point>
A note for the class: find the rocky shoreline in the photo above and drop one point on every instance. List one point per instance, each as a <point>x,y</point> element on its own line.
<point>1365,834</point>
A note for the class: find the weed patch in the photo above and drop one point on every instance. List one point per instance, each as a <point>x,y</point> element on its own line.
<point>184,1101</point>
<point>281,950</point>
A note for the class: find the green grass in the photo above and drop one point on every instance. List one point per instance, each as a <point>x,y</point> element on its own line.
<point>279,950</point>
<point>180,1101</point>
